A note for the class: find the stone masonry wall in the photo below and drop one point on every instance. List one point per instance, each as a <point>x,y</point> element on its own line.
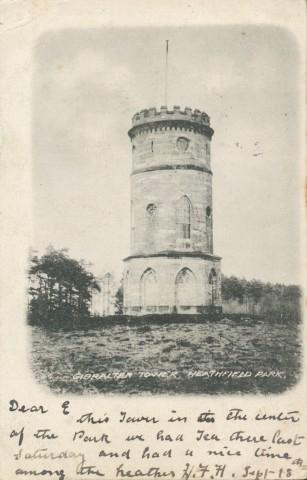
<point>161,147</point>
<point>166,270</point>
<point>163,188</point>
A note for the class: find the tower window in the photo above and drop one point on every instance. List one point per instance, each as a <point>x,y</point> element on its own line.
<point>208,212</point>
<point>151,209</point>
<point>185,288</point>
<point>182,144</point>
<point>149,290</point>
<point>152,146</point>
<point>183,218</point>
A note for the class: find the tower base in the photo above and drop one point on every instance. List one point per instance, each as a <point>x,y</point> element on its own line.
<point>170,283</point>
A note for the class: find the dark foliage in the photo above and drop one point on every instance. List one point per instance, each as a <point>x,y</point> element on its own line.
<point>60,289</point>
<point>277,300</point>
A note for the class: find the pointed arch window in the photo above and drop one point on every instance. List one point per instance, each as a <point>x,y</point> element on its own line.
<point>183,218</point>
<point>149,288</point>
<point>185,289</point>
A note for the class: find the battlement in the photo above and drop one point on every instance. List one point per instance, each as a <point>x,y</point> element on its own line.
<point>152,114</point>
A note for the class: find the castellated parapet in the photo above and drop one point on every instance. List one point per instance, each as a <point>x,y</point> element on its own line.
<point>171,266</point>
<point>153,118</point>
<point>152,114</point>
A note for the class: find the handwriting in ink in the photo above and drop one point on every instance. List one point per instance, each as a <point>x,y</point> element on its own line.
<point>202,435</point>
<point>89,418</point>
<point>207,417</point>
<point>154,472</point>
<point>124,454</point>
<point>241,436</point>
<point>193,471</point>
<point>148,454</point>
<point>166,437</point>
<point>88,470</point>
<point>59,473</point>
<point>136,436</point>
<point>43,434</point>
<point>225,452</point>
<point>19,434</point>
<point>280,417</point>
<point>236,414</point>
<point>127,419</point>
<point>264,452</point>
<point>81,435</point>
<point>176,418</point>
<point>43,453</point>
<point>65,406</point>
<point>277,438</point>
<point>250,472</point>
<point>14,406</point>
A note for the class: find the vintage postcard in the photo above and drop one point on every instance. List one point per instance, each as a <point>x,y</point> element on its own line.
<point>152,201</point>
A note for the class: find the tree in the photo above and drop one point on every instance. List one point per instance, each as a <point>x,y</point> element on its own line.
<point>233,288</point>
<point>60,287</point>
<point>119,300</point>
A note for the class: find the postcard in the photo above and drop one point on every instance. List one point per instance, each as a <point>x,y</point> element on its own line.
<point>152,201</point>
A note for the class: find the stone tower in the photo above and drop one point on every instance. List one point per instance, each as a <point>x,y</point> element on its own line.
<point>171,267</point>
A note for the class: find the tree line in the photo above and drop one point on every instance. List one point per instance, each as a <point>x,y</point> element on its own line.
<point>61,289</point>
<point>274,300</point>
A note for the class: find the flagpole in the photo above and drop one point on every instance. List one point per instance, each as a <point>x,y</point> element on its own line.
<point>166,74</point>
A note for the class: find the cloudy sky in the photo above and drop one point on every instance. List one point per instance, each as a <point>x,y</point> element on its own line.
<point>87,84</point>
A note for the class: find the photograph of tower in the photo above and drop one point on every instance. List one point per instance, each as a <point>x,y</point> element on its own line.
<point>172,268</point>
<point>165,250</point>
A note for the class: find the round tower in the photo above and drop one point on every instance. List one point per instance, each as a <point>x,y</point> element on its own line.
<point>171,267</point>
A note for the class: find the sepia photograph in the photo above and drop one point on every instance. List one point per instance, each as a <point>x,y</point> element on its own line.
<point>165,255</point>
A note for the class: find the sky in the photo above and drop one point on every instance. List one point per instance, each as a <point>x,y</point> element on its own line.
<point>87,84</point>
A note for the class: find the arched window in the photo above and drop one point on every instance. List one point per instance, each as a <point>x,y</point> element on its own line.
<point>183,218</point>
<point>185,289</point>
<point>213,285</point>
<point>149,288</point>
